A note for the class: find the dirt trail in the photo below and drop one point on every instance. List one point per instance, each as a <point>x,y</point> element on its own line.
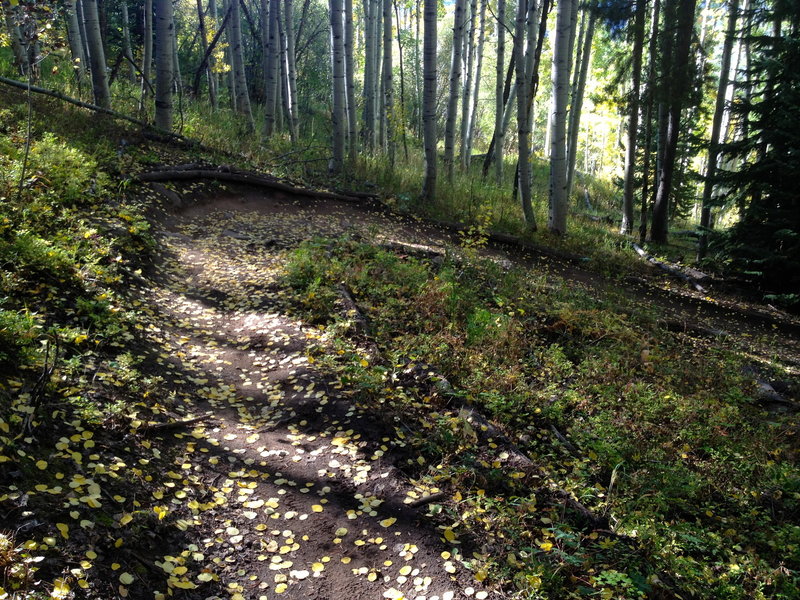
<point>296,490</point>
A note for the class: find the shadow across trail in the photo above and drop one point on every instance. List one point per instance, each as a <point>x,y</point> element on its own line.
<point>292,487</point>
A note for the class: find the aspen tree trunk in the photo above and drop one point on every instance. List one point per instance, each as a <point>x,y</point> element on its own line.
<point>523,122</point>
<point>286,97</point>
<point>380,115</point>
<point>418,70</point>
<point>237,56</point>
<point>263,39</point>
<point>633,122</point>
<point>429,100</point>
<point>230,78</point>
<point>102,96</point>
<point>82,25</point>
<point>213,80</point>
<point>147,53</point>
<point>204,46</point>
<point>455,81</point>
<point>176,63</point>
<point>716,129</point>
<point>279,96</point>
<point>476,90</point>
<point>577,101</point>
<point>350,80</point>
<point>499,138</point>
<point>402,118</point>
<point>469,63</point>
<point>15,35</point>
<point>678,84</point>
<point>557,216</point>
<point>271,75</point>
<point>126,43</point>
<point>370,56</point>
<point>74,35</point>
<point>388,91</point>
<point>648,120</point>
<point>338,115</point>
<point>294,118</point>
<point>163,54</point>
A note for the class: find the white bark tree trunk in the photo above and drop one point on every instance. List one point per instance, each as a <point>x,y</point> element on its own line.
<point>455,82</point>
<point>388,83</point>
<point>350,81</point>
<point>469,62</point>
<point>294,118</point>
<point>557,216</point>
<point>499,138</point>
<point>523,63</point>
<point>126,43</point>
<point>102,95</point>
<point>271,74</point>
<point>576,103</point>
<point>429,99</point>
<point>163,54</point>
<point>339,95</point>
<point>74,35</point>
<point>467,153</point>
<point>237,57</point>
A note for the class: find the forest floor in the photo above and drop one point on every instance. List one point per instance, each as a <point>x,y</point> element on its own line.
<point>308,490</point>
<point>248,395</point>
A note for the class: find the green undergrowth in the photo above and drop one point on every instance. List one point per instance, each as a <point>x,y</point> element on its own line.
<point>691,489</point>
<point>72,390</point>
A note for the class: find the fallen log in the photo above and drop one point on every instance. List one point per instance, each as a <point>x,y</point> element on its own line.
<point>674,271</point>
<point>245,177</point>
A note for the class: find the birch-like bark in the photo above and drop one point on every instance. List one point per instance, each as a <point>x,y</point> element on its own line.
<point>388,83</point>
<point>476,90</point>
<point>74,35</point>
<point>176,63</point>
<point>576,104</point>
<point>271,74</point>
<point>429,99</point>
<point>294,118</point>
<point>164,27</point>
<point>230,78</point>
<point>201,19</point>
<point>455,82</point>
<point>557,214</point>
<point>469,63</point>
<point>147,53</point>
<point>370,42</point>
<point>350,81</point>
<point>213,80</point>
<point>237,57</point>
<point>102,95</point>
<point>126,43</point>
<point>499,104</point>
<point>339,95</point>
<point>82,26</point>
<point>523,124</point>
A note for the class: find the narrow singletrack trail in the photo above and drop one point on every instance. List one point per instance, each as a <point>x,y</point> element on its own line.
<point>288,485</point>
<point>294,489</point>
